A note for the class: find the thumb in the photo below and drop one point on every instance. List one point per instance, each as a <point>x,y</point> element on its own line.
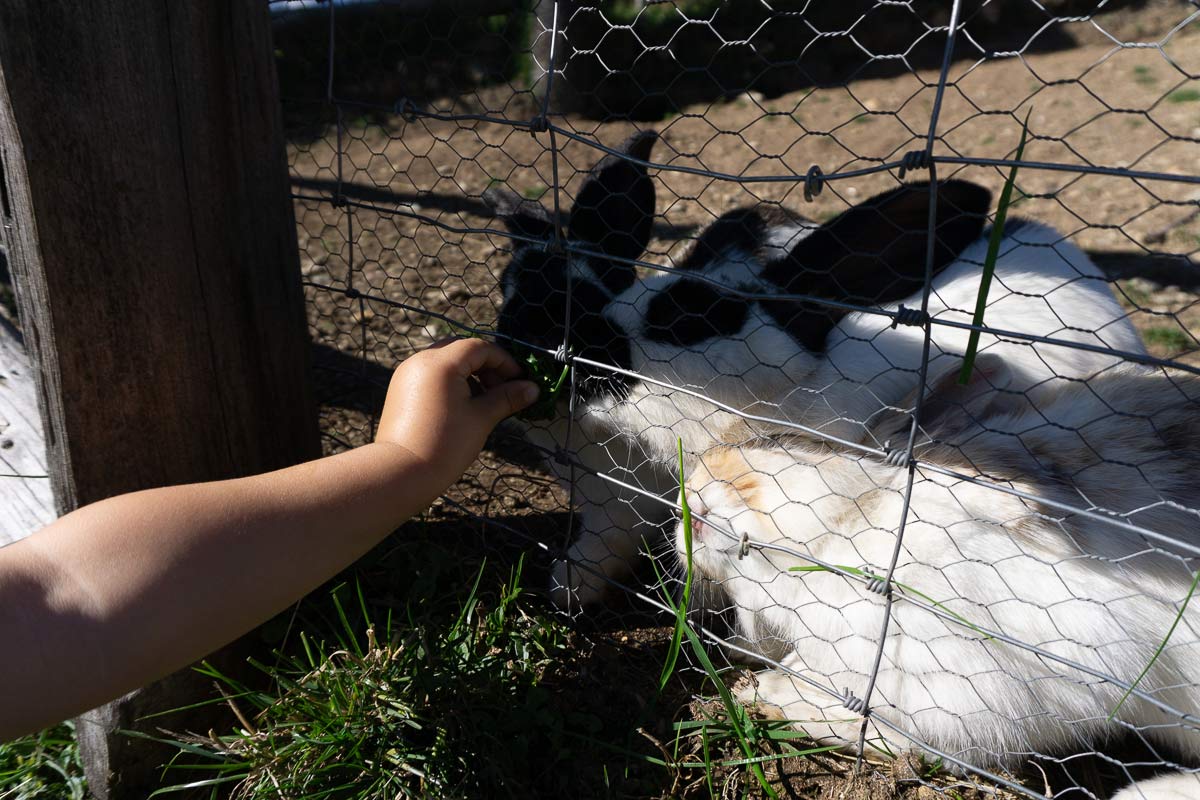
<point>507,399</point>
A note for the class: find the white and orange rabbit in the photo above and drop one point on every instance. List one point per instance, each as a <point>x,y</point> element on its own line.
<point>1125,444</point>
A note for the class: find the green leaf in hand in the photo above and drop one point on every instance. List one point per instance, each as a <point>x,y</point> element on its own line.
<point>550,377</point>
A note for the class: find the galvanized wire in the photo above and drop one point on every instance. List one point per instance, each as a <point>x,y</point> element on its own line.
<point>554,125</point>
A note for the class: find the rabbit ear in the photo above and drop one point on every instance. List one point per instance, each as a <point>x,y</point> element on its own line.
<point>874,253</point>
<point>522,216</point>
<point>952,409</point>
<point>615,207</point>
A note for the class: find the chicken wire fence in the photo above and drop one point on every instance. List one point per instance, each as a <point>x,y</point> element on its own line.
<point>758,232</point>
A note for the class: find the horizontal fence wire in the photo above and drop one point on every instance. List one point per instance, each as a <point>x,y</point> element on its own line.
<point>1098,514</point>
<point>783,297</point>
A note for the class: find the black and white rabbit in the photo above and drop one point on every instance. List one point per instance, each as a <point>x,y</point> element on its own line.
<point>802,363</point>
<point>1126,442</point>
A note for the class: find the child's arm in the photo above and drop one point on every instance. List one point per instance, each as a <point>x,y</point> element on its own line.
<point>132,588</point>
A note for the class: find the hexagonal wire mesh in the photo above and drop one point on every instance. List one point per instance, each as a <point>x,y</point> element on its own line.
<point>703,209</point>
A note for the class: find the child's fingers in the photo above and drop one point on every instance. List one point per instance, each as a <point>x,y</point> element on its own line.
<point>507,399</point>
<point>475,356</point>
<point>490,378</point>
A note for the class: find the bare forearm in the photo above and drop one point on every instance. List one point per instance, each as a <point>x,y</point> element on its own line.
<point>124,591</point>
<point>127,590</point>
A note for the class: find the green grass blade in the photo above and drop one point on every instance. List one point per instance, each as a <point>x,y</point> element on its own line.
<point>543,370</point>
<point>349,640</point>
<point>185,787</point>
<point>989,262</point>
<point>616,748</point>
<point>683,629</point>
<point>731,708</point>
<point>562,378</point>
<point>1161,646</point>
<point>681,609</point>
<point>708,770</point>
<point>362,603</point>
<point>468,607</point>
<point>185,747</point>
<point>862,573</point>
<point>745,762</point>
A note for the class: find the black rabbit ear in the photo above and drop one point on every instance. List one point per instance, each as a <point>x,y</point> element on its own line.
<point>524,217</point>
<point>874,253</point>
<point>615,206</point>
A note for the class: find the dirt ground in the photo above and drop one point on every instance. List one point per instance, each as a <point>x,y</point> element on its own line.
<point>1095,104</point>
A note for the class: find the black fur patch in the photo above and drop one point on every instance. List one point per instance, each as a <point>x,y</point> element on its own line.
<point>596,339</point>
<point>615,275</point>
<point>523,217</point>
<point>873,254</point>
<point>807,323</point>
<point>743,229</point>
<point>614,209</point>
<point>690,311</point>
<point>536,313</point>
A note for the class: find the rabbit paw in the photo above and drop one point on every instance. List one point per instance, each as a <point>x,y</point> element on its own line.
<point>746,692</point>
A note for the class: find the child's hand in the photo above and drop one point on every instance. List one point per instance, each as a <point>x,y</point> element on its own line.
<point>432,412</point>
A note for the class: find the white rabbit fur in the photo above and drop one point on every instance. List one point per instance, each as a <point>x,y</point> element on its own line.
<point>1043,285</point>
<point>1178,786</point>
<point>1127,441</point>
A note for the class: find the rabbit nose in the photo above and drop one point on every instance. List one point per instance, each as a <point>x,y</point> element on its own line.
<point>695,506</point>
<point>698,509</point>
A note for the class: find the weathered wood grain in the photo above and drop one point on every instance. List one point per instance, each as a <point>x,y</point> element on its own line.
<point>151,235</point>
<point>163,295</point>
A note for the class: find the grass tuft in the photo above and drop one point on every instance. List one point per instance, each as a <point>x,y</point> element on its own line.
<point>535,192</point>
<point>1168,338</point>
<point>1184,96</point>
<point>44,766</point>
<point>550,378</point>
<point>411,707</point>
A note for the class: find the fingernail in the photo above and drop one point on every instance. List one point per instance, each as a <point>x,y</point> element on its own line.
<point>529,393</point>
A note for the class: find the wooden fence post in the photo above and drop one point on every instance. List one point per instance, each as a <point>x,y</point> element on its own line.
<point>152,241</point>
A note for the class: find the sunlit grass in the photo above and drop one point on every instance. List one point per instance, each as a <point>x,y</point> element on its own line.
<point>44,766</point>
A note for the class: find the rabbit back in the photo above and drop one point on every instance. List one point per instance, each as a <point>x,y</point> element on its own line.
<point>970,563</point>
